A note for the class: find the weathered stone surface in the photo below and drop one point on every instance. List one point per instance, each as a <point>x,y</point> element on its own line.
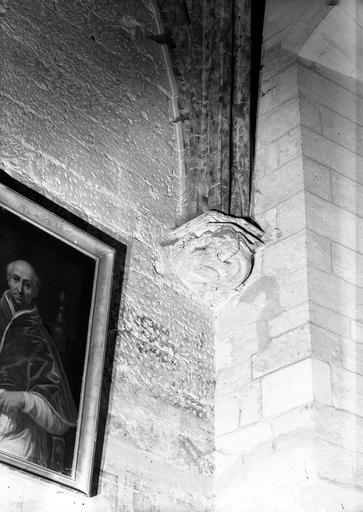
<point>329,91</point>
<point>245,439</point>
<point>160,362</point>
<point>278,88</point>
<point>330,320</point>
<point>85,120</point>
<point>347,193</point>
<point>236,338</point>
<point>310,115</point>
<point>285,472</point>
<point>288,320</point>
<point>292,288</point>
<point>274,125</point>
<point>322,382</point>
<point>339,427</point>
<point>347,391</point>
<point>282,351</point>
<point>327,346</point>
<point>287,388</point>
<point>213,254</point>
<point>333,293</point>
<point>275,61</point>
<point>291,215</point>
<point>291,24</point>
<point>242,136</point>
<point>341,130</point>
<point>286,253</point>
<point>276,186</point>
<point>332,222</point>
<point>319,251</point>
<point>317,178</point>
<point>278,153</point>
<point>347,264</point>
<point>297,419</point>
<point>335,463</point>
<point>333,155</point>
<point>337,41</point>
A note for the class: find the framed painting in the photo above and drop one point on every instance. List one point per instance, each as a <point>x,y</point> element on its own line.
<point>55,293</point>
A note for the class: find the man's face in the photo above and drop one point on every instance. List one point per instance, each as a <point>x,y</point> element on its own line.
<point>22,285</point>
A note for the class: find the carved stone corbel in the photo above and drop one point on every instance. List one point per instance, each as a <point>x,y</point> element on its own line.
<point>213,254</point>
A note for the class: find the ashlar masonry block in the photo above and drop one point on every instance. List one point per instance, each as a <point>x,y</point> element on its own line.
<point>335,463</point>
<point>279,185</point>
<point>286,253</point>
<point>326,91</point>
<point>309,322</point>
<point>227,414</point>
<point>317,178</point>
<point>292,288</point>
<point>287,388</point>
<point>330,320</point>
<point>273,485</point>
<point>319,251</point>
<point>334,293</point>
<point>322,382</point>
<point>301,383</point>
<point>297,419</point>
<point>291,215</point>
<point>275,124</point>
<point>339,427</point>
<point>347,193</point>
<point>331,154</point>
<point>310,115</point>
<point>278,153</point>
<point>286,349</point>
<point>341,130</point>
<point>278,88</point>
<point>347,390</point>
<point>288,320</point>
<point>244,440</point>
<point>334,223</point>
<point>347,264</point>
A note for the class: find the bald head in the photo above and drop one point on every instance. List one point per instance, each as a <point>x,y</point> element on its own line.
<point>23,283</point>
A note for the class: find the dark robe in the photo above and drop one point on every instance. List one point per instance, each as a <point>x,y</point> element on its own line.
<point>29,361</point>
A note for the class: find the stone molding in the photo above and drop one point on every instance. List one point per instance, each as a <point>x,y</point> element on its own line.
<point>213,254</point>
<point>210,48</point>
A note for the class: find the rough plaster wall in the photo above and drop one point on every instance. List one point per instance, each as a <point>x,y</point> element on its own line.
<point>85,108</point>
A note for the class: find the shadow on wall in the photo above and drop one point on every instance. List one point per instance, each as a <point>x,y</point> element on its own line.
<point>268,287</point>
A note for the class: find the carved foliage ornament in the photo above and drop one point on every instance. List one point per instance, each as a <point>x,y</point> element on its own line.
<point>213,254</point>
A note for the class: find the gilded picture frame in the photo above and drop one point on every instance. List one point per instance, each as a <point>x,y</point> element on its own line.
<point>69,318</point>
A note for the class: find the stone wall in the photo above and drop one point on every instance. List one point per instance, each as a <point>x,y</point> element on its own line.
<point>264,447</point>
<point>86,103</point>
<point>289,375</point>
<point>331,137</point>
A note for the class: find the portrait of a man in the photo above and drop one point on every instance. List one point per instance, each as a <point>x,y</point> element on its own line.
<point>35,399</point>
<point>45,300</point>
<point>56,279</point>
